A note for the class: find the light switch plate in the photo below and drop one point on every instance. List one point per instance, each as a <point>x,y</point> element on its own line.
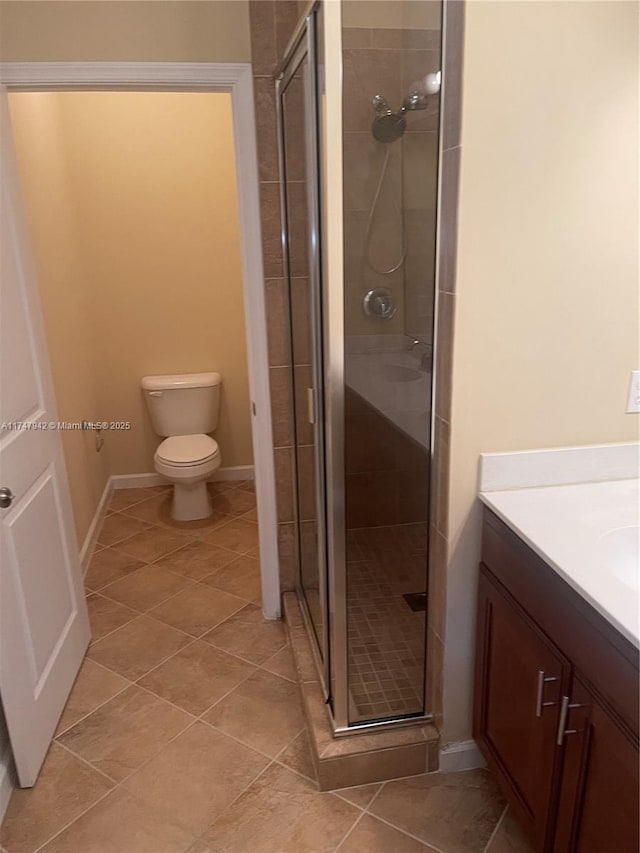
<point>633,403</point>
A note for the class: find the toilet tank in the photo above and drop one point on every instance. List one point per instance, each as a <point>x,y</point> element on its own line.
<point>183,403</point>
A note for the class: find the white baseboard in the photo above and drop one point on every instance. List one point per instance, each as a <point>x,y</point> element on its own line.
<point>463,755</point>
<point>94,528</point>
<point>6,779</point>
<point>144,481</point>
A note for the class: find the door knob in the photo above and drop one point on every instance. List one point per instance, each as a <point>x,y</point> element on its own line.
<point>6,497</point>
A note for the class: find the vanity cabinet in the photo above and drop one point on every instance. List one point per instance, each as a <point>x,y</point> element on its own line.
<point>556,703</point>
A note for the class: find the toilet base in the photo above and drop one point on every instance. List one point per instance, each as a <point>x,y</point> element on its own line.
<point>190,502</point>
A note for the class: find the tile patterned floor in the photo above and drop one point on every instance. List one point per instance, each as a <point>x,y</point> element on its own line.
<point>386,637</point>
<point>184,732</point>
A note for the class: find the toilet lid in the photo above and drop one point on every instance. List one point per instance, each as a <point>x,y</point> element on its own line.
<point>187,449</point>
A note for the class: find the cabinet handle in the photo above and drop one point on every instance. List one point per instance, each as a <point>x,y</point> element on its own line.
<point>542,680</point>
<point>565,707</point>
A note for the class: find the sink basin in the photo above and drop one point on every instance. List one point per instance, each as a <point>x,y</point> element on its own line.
<point>399,373</point>
<point>620,553</point>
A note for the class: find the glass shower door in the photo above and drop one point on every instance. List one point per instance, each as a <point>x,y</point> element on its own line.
<point>297,102</point>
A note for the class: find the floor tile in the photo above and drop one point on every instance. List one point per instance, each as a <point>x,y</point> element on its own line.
<point>282,813</point>
<point>510,837</point>
<point>121,823</point>
<point>196,777</point>
<point>146,588</point>
<point>362,795</point>
<point>201,846</point>
<point>108,566</point>
<point>197,609</point>
<point>152,543</point>
<point>197,677</point>
<point>297,756</point>
<point>117,527</point>
<point>456,812</point>
<point>137,647</point>
<point>248,634</point>
<point>264,712</point>
<point>121,499</point>
<point>106,615</point>
<point>281,664</point>
<point>373,836</point>
<point>238,535</point>
<point>241,578</point>
<point>235,502</point>
<point>94,686</point>
<point>197,559</point>
<point>158,510</point>
<point>129,730</point>
<point>65,788</point>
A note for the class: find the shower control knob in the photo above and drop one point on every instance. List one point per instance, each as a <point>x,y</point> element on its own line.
<point>379,303</point>
<point>6,497</point>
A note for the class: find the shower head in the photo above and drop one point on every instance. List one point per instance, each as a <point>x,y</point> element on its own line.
<point>388,126</point>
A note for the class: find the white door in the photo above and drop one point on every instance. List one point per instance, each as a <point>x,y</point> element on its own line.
<point>44,626</point>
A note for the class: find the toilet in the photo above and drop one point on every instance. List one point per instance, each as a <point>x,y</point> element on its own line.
<point>184,408</point>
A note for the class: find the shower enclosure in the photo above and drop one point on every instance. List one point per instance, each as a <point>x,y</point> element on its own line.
<point>362,349</point>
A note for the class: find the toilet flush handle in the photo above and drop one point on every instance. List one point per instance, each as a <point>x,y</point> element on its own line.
<point>155,393</point>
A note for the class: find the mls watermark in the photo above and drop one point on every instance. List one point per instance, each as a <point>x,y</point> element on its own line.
<point>65,425</point>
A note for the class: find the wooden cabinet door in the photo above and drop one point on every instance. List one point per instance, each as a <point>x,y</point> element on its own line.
<point>514,726</point>
<point>599,793</point>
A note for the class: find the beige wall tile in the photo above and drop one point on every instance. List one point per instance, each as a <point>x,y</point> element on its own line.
<point>263,42</point>
<point>271,236</point>
<point>281,406</point>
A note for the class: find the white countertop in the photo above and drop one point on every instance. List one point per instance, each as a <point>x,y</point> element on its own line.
<point>588,533</point>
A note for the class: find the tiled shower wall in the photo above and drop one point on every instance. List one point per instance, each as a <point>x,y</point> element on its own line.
<point>272,23</point>
<point>386,62</point>
<point>446,251</point>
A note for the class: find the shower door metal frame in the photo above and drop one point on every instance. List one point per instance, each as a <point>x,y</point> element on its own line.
<point>303,45</point>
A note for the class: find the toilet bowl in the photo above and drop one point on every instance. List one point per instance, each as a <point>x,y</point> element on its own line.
<point>184,408</point>
<point>188,461</point>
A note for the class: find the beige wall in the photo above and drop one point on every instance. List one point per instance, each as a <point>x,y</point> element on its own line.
<point>547,287</point>
<point>150,179</point>
<point>125,30</point>
<point>53,226</point>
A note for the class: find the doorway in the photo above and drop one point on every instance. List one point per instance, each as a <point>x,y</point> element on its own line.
<point>236,81</point>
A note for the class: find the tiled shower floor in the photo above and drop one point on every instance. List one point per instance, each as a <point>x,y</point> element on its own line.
<point>386,637</point>
<point>184,732</point>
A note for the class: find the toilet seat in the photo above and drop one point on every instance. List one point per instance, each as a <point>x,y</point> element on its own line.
<point>182,451</point>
